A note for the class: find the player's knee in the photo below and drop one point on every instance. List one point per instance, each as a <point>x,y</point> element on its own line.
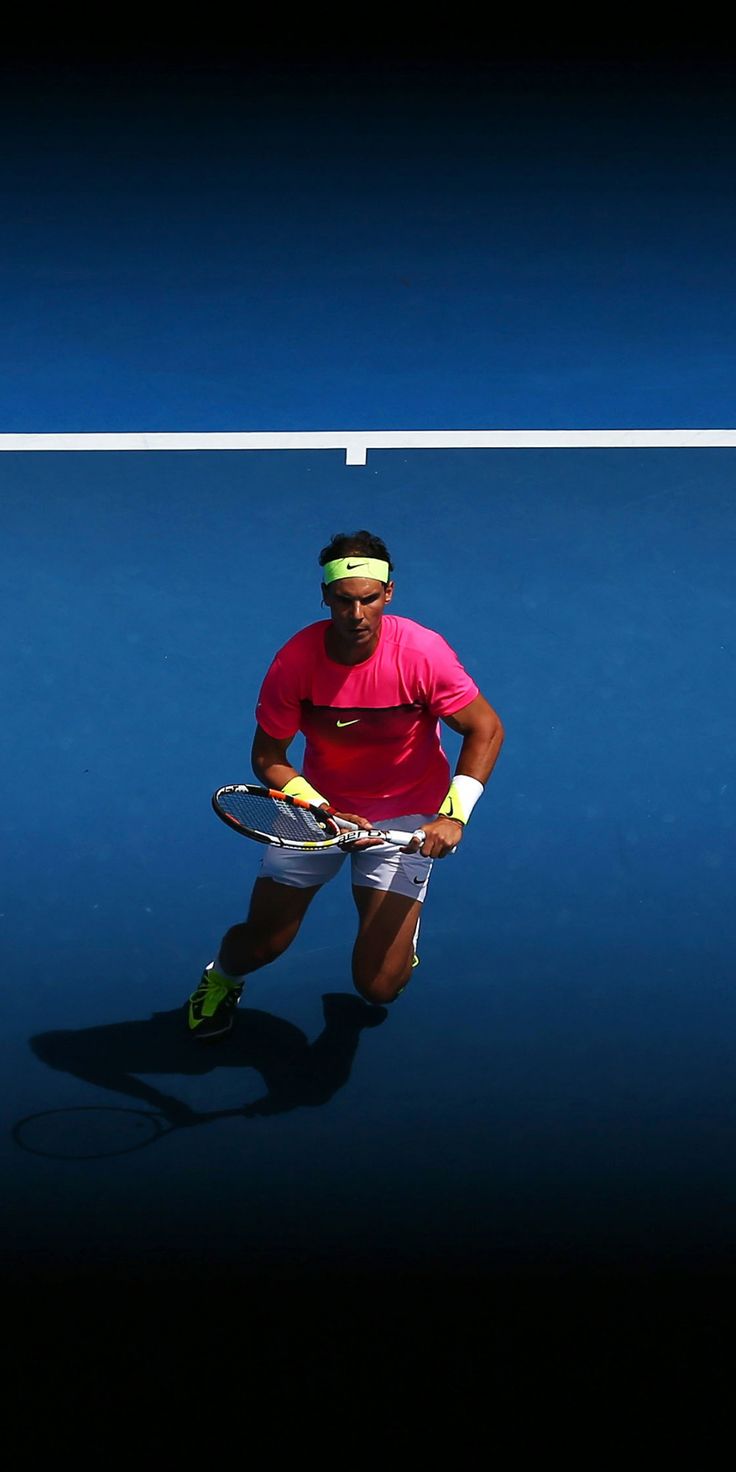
<point>380,985</point>
<point>380,993</point>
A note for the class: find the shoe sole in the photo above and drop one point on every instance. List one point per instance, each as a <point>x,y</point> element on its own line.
<point>211,1037</point>
<point>209,1033</point>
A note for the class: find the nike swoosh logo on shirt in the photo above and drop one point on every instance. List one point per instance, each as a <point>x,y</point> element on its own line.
<point>349,723</point>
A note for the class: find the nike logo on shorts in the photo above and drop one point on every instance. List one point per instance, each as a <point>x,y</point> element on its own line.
<point>349,723</point>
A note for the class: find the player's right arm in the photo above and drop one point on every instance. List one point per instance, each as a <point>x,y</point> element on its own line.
<point>269,760</point>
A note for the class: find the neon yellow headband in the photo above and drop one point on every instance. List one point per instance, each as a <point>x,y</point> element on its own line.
<point>355,567</point>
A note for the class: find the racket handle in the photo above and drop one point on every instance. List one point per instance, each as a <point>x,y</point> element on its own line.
<point>392,835</point>
<point>404,839</point>
<point>389,835</point>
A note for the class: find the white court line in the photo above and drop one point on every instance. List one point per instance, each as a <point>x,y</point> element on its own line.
<point>357,443</point>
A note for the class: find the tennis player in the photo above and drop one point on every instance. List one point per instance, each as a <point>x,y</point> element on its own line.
<point>368,690</point>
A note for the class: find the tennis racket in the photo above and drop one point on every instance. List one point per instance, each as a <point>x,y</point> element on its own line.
<point>269,816</point>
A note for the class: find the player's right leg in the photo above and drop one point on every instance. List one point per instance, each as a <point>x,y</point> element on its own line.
<point>275,914</point>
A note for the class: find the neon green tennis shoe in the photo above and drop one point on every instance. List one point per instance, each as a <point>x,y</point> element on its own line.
<point>211,1008</point>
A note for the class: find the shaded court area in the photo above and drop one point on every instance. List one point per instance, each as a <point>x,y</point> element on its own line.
<point>524,1171</point>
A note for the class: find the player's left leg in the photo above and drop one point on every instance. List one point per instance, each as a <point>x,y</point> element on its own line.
<point>383,955</point>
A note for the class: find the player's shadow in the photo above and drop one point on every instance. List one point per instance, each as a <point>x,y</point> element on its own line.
<point>295,1072</point>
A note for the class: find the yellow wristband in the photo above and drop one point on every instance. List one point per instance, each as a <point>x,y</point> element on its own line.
<point>461,799</point>
<point>300,787</point>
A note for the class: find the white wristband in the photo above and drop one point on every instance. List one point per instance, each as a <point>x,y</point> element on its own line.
<point>462,797</point>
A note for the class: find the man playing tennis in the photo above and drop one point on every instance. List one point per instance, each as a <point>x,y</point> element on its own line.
<point>367,689</point>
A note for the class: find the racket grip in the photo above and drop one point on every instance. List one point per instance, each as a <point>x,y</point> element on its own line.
<point>389,835</point>
<point>393,835</point>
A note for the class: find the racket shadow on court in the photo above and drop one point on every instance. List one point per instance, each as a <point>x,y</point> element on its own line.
<point>296,1073</point>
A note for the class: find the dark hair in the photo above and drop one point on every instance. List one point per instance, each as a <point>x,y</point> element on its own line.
<point>345,543</point>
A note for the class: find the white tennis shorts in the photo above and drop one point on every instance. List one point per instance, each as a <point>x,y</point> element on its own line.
<point>378,867</point>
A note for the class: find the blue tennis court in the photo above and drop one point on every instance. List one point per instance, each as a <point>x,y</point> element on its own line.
<point>528,1163</point>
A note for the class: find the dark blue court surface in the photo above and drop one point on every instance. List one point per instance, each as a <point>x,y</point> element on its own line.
<point>551,1099</point>
<point>521,1180</point>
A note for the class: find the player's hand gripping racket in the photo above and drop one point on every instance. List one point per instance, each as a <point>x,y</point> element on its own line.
<point>269,816</point>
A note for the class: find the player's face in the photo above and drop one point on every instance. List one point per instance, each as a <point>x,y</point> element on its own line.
<point>356,607</point>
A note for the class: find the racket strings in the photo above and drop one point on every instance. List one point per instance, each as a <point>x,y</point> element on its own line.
<point>277,819</point>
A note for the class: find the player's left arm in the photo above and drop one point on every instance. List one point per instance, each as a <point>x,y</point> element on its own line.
<point>482,732</point>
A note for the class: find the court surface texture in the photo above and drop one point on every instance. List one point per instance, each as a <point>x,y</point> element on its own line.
<point>521,1181</point>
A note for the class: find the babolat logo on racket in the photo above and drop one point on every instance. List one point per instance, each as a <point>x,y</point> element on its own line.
<point>286,810</point>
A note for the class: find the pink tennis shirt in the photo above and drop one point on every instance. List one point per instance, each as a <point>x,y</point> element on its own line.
<point>372,732</point>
